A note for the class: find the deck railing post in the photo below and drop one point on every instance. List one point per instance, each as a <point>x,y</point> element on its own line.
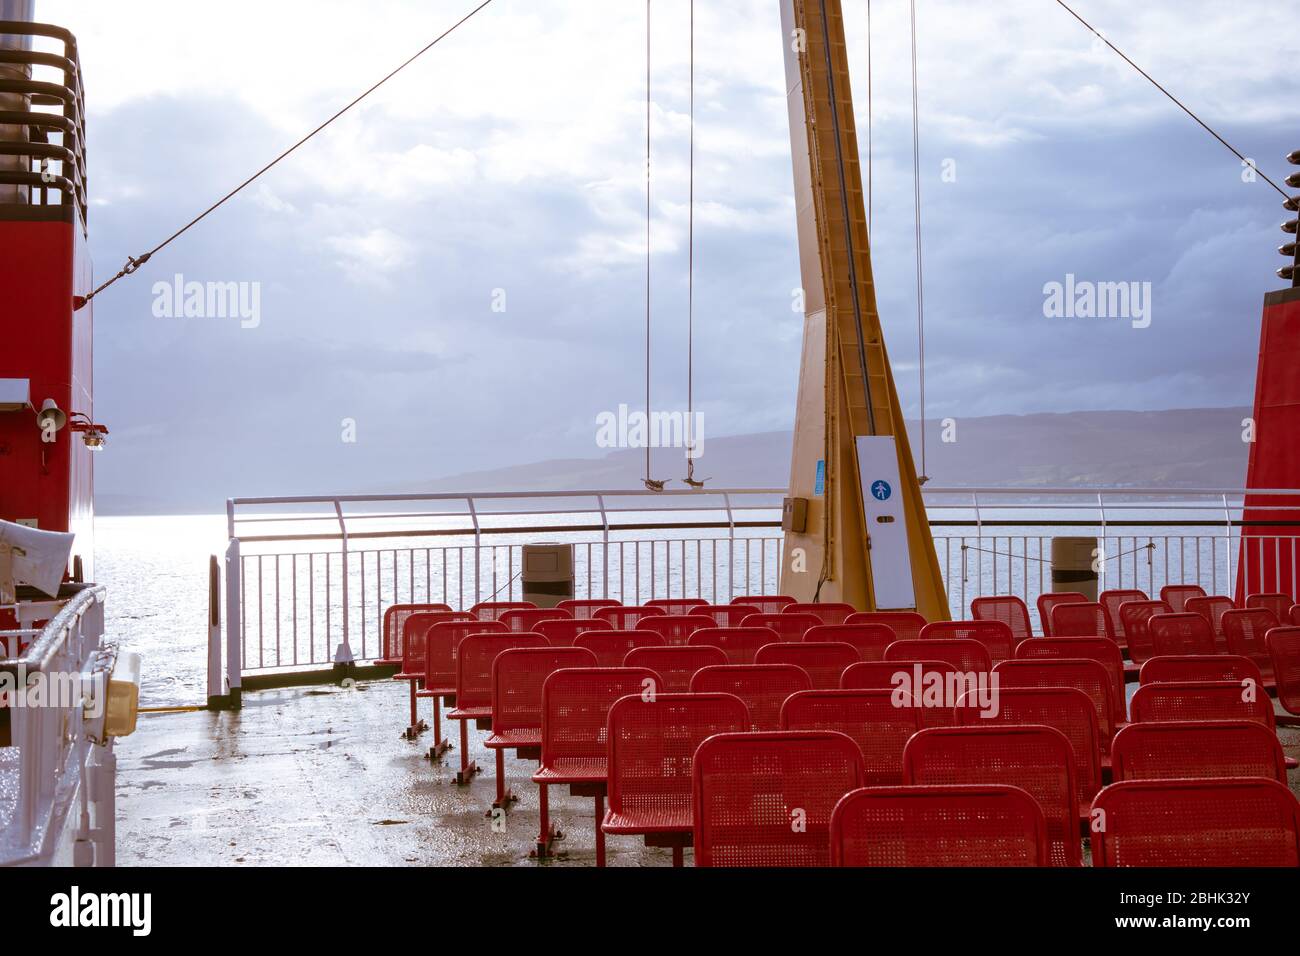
<point>234,625</point>
<point>216,693</point>
<point>343,654</point>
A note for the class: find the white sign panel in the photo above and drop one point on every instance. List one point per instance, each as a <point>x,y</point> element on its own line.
<point>883,501</point>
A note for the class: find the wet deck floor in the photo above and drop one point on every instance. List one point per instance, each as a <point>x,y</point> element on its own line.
<point>321,777</point>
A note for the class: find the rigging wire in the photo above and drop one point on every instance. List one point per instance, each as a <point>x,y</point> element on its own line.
<point>920,271</point>
<point>1176,101</point>
<point>870,175</point>
<point>650,483</point>
<point>135,262</point>
<point>690,283</point>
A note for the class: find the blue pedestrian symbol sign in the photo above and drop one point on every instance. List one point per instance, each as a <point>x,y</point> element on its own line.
<point>881,491</point>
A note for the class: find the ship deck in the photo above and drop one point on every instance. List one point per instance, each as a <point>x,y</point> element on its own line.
<point>321,777</point>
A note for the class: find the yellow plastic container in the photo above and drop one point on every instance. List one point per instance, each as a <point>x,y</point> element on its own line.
<point>123,696</point>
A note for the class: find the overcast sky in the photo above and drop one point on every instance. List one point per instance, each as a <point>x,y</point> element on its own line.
<point>511,158</point>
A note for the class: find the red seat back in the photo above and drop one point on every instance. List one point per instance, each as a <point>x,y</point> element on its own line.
<point>492,610</point>
<point>675,629</point>
<point>726,615</point>
<point>880,728</point>
<point>996,636</point>
<point>1176,595</point>
<point>610,647</point>
<point>1200,667</point>
<point>1050,600</point>
<point>1037,758</point>
<point>652,748</point>
<point>394,618</point>
<point>1081,619</point>
<point>965,655</point>
<point>1115,599</point>
<point>787,627</point>
<point>1189,823</point>
<point>1007,610</point>
<point>441,648</point>
<point>906,624</point>
<point>766,603</point>
<point>1163,750</point>
<point>1083,674</point>
<point>824,662</point>
<point>869,639</point>
<point>1244,632</point>
<point>1178,634</point>
<point>765,799</point>
<point>763,688</point>
<point>562,632</point>
<point>1067,709</point>
<point>415,634</point>
<point>1100,649</point>
<point>937,826</point>
<point>523,620</point>
<point>739,643</point>
<point>1295,615</point>
<point>1212,609</point>
<point>825,612</point>
<point>626,618</point>
<point>518,677</point>
<point>1284,652</point>
<point>1201,700</point>
<point>901,679</point>
<point>676,665</point>
<point>1278,604</point>
<point>585,608</point>
<point>474,661</point>
<point>1136,616</point>
<point>575,709</point>
<point>677,605</point>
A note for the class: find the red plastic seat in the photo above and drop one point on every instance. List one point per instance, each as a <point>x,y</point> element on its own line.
<point>492,610</point>
<point>1163,750</point>
<point>1200,700</point>
<point>1278,604</point>
<point>869,639</point>
<point>610,647</point>
<point>441,645</point>
<point>826,613</point>
<point>726,615</point>
<point>766,603</point>
<point>996,636</point>
<point>1115,599</point>
<point>1194,823</point>
<point>1136,617</point>
<point>1100,649</point>
<point>739,643</point>
<point>1008,610</point>
<point>623,618</point>
<point>1082,619</point>
<point>415,634</point>
<point>1295,615</point>
<point>906,624</point>
<point>575,711</point>
<point>824,662</point>
<point>474,659</point>
<point>1200,667</point>
<point>1050,600</point>
<point>676,665</point>
<point>871,717</point>
<point>675,629</point>
<point>1068,709</point>
<point>1176,595</point>
<point>1180,634</point>
<point>765,799</point>
<point>763,688</point>
<point>523,620</point>
<point>787,627</point>
<point>1212,609</point>
<point>1083,674</point>
<point>939,826</point>
<point>584,608</point>
<point>1245,630</point>
<point>677,605</point>
<point>1284,650</point>
<point>394,618</point>
<point>901,679</point>
<point>562,632</point>
<point>965,655</point>
<point>652,748</point>
<point>1038,759</point>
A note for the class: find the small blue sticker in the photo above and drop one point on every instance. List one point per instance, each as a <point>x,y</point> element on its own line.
<point>820,488</point>
<point>881,491</point>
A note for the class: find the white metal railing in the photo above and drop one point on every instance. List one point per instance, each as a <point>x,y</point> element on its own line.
<point>55,760</point>
<point>307,579</point>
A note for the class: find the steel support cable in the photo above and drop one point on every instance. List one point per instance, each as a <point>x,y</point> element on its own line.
<point>690,282</point>
<point>920,270</point>
<point>135,262</point>
<point>650,483</point>
<point>870,124</point>
<point>1176,101</point>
